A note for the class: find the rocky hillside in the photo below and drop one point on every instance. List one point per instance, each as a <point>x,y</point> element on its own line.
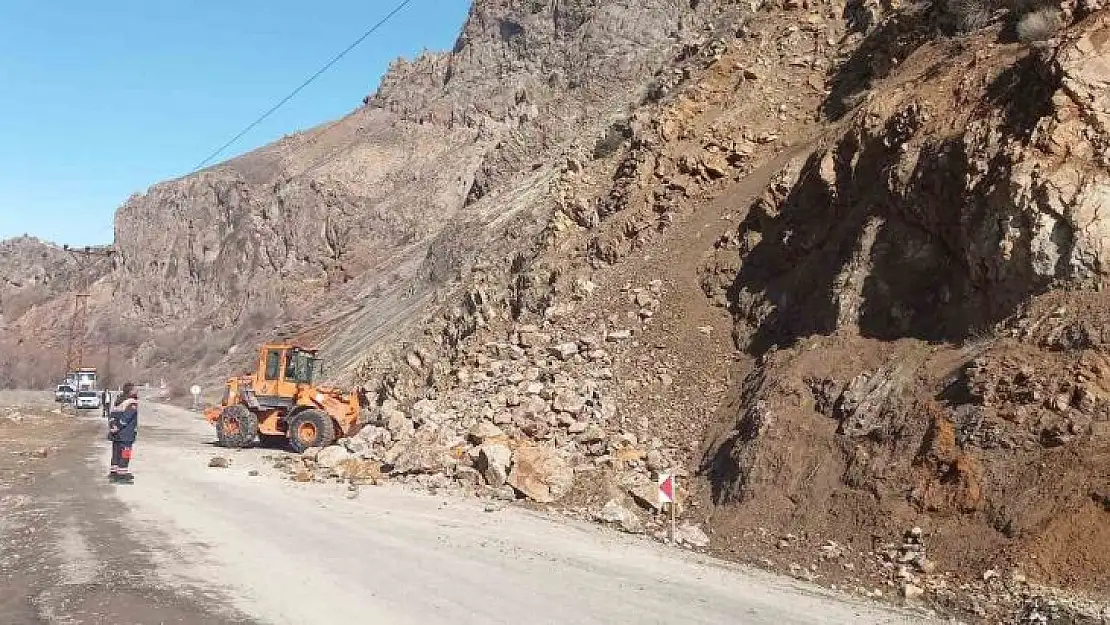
<point>36,278</point>
<point>839,265</point>
<point>356,223</point>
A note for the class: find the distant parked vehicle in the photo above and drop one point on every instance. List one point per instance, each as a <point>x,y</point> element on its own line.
<point>64,394</point>
<point>88,400</point>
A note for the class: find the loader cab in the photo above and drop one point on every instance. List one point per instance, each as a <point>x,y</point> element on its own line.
<point>282,368</point>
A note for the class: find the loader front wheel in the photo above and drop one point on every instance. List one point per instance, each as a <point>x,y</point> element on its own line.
<point>237,427</point>
<point>311,428</point>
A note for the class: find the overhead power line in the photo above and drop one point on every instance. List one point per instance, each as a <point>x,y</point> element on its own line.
<point>397,9</point>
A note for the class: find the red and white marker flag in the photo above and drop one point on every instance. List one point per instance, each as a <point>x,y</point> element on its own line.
<point>666,488</point>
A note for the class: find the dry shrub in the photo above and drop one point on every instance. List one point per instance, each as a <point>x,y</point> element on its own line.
<point>1039,25</point>
<point>970,15</point>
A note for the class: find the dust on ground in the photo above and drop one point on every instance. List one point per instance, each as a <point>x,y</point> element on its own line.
<point>64,554</point>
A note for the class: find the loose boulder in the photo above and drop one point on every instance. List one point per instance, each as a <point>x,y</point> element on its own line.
<point>615,514</point>
<point>540,474</point>
<point>493,462</point>
<point>484,431</point>
<point>330,457</point>
<point>691,536</point>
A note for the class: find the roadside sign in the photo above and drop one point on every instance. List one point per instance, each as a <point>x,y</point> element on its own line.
<point>194,390</point>
<point>666,488</point>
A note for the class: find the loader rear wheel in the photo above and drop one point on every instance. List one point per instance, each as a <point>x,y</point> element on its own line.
<point>311,428</point>
<point>237,427</point>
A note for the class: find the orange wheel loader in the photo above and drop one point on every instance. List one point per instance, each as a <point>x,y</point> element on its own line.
<point>281,401</point>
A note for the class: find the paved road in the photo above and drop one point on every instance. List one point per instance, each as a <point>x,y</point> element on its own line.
<point>240,548</point>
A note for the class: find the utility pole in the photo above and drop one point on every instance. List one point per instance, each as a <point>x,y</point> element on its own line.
<point>75,349</point>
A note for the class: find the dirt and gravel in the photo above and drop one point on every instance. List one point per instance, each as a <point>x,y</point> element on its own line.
<point>67,554</point>
<point>188,543</point>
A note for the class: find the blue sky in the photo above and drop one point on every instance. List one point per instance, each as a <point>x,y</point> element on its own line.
<point>99,100</point>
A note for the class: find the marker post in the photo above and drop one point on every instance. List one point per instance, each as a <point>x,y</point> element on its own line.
<point>668,494</point>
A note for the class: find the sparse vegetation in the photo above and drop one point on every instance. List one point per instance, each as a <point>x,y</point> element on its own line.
<point>966,16</point>
<point>614,138</point>
<point>1039,25</point>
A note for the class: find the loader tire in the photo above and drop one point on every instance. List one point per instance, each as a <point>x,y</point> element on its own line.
<point>237,427</point>
<point>311,428</point>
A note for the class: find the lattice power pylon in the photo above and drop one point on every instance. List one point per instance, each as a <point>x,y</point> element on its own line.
<point>75,350</point>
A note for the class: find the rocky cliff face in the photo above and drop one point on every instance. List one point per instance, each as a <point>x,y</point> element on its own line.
<point>900,284</point>
<point>31,273</point>
<point>331,222</point>
<point>37,280</point>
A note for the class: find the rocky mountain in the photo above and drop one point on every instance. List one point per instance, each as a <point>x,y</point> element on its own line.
<point>36,278</point>
<point>837,264</point>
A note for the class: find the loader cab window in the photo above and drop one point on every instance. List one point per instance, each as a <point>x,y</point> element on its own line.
<point>273,364</point>
<point>300,368</point>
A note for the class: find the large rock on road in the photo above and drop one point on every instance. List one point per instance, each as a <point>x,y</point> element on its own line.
<point>540,474</point>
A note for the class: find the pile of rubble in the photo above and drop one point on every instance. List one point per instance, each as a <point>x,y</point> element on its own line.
<point>529,411</point>
<point>522,417</point>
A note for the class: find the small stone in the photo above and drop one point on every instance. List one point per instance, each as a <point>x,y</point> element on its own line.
<point>618,335</point>
<point>691,535</point>
<point>647,495</point>
<point>484,431</point>
<point>565,351</point>
<point>567,401</point>
<point>491,507</point>
<point>655,460</point>
<point>533,339</point>
<point>330,457</point>
<point>912,592</point>
<point>253,473</point>
<point>613,512</point>
<point>219,462</point>
<point>310,453</point>
<point>577,427</point>
<point>925,565</point>
<point>357,471</point>
<point>592,434</point>
<point>505,493</point>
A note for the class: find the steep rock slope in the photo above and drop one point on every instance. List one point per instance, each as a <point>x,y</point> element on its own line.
<point>355,224</point>
<point>936,196</point>
<point>907,287</point>
<point>36,279</point>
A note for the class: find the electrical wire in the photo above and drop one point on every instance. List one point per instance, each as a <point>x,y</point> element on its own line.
<point>397,9</point>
